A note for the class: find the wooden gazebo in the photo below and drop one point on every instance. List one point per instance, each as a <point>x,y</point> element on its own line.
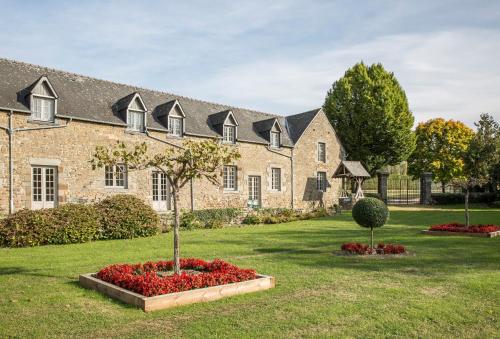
<point>351,170</point>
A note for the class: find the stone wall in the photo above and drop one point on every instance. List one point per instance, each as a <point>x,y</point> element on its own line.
<point>70,149</point>
<point>307,165</point>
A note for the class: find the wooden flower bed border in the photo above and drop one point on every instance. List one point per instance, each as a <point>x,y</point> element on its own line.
<point>263,282</point>
<point>468,234</point>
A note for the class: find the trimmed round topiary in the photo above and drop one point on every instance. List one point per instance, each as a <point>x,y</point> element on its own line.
<point>370,213</point>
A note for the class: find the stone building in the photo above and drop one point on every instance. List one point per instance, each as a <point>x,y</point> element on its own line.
<point>58,118</point>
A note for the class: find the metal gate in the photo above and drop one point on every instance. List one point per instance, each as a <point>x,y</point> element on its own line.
<point>403,191</point>
<point>400,190</point>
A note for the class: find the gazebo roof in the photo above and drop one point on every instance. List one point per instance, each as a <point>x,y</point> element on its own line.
<point>353,169</point>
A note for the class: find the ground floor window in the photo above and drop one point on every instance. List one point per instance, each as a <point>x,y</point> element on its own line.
<point>44,187</point>
<point>161,192</point>
<point>254,191</point>
<point>229,178</point>
<point>321,181</point>
<point>276,179</point>
<point>116,176</point>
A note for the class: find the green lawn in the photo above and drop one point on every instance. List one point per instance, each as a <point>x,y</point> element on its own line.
<point>450,288</point>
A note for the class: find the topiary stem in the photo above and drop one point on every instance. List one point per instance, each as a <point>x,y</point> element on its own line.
<point>371,237</point>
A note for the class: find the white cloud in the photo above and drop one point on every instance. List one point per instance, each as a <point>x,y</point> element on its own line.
<point>453,74</point>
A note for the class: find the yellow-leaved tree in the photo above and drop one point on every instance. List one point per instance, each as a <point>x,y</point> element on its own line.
<point>440,149</point>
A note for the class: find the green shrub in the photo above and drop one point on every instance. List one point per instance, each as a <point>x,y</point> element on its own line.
<point>459,198</point>
<point>251,219</point>
<point>69,223</point>
<point>126,216</point>
<point>210,218</point>
<point>370,213</point>
<point>75,223</point>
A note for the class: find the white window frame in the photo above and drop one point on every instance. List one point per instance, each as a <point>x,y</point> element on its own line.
<point>229,138</point>
<point>160,191</point>
<point>116,176</point>
<point>276,179</point>
<point>136,125</point>
<point>43,115</point>
<point>41,188</point>
<point>321,151</point>
<point>179,128</point>
<point>321,181</point>
<point>230,178</point>
<point>275,139</point>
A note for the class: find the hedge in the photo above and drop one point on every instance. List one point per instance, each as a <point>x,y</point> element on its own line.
<point>117,217</point>
<point>459,198</point>
<point>70,223</point>
<point>126,216</point>
<point>279,215</point>
<point>210,218</point>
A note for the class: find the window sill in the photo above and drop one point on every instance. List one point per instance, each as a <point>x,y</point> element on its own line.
<point>172,136</point>
<point>128,131</point>
<point>116,188</point>
<point>43,122</point>
<point>230,191</point>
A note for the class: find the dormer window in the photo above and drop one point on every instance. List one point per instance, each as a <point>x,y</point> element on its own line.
<point>135,120</point>
<point>229,134</point>
<point>133,109</point>
<point>43,108</point>
<point>226,125</point>
<point>175,126</point>
<point>136,114</point>
<point>43,100</point>
<point>271,130</point>
<point>275,139</point>
<point>172,116</point>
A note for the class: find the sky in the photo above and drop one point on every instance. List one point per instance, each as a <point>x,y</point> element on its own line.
<point>272,56</point>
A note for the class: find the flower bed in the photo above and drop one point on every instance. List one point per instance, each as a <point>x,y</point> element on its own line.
<point>153,278</point>
<point>455,227</point>
<point>363,249</point>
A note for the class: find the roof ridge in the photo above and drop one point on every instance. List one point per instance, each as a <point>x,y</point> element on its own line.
<point>141,88</point>
<point>315,110</point>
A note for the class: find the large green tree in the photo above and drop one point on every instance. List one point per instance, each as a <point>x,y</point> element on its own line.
<point>441,147</point>
<point>369,111</point>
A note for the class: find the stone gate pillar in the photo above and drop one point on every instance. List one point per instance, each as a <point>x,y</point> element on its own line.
<point>425,188</point>
<point>382,185</point>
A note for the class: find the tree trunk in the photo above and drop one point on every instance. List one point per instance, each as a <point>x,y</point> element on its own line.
<point>467,222</point>
<point>371,238</point>
<point>177,261</point>
<point>443,187</point>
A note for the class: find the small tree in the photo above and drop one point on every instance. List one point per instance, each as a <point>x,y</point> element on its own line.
<point>479,159</point>
<point>194,160</point>
<point>370,213</point>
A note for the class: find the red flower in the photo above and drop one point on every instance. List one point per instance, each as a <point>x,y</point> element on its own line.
<point>456,227</point>
<point>358,248</point>
<point>144,278</point>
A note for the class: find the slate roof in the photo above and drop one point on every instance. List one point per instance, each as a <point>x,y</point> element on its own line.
<point>91,99</point>
<point>219,118</point>
<point>351,168</point>
<point>298,123</point>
